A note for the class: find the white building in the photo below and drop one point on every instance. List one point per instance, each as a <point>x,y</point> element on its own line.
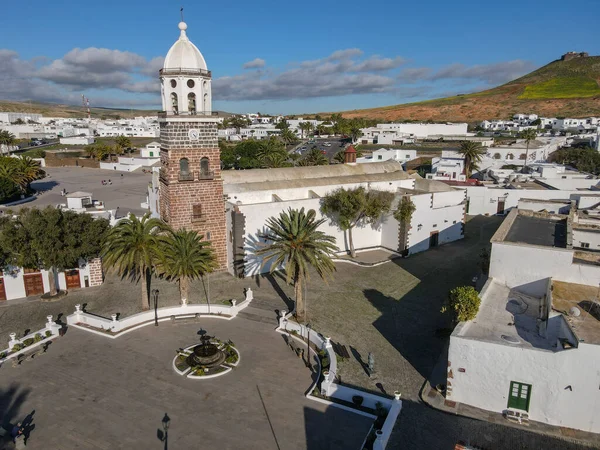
<point>404,133</point>
<point>11,117</point>
<point>386,154</point>
<point>450,166</point>
<point>77,140</point>
<point>152,150</point>
<point>533,351</point>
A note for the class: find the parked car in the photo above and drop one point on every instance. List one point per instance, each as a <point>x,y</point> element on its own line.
<point>304,148</point>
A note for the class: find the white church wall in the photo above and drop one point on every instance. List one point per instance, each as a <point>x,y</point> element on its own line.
<point>256,216</point>
<point>389,232</point>
<point>482,372</point>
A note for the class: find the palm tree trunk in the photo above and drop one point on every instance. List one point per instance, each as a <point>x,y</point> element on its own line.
<point>145,299</point>
<point>526,156</point>
<point>52,281</point>
<point>183,289</point>
<point>351,243</point>
<point>299,299</point>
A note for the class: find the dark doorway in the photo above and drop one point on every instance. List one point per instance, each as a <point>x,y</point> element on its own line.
<point>434,239</point>
<point>501,203</point>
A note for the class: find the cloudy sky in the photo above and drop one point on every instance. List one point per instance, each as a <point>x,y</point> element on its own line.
<point>278,57</point>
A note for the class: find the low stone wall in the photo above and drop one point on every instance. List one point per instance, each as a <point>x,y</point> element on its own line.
<point>71,162</point>
<point>114,327</point>
<point>49,332</point>
<point>331,389</point>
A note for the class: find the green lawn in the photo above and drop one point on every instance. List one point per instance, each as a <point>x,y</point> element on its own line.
<point>562,87</point>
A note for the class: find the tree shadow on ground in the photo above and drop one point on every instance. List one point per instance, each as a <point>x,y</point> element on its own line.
<point>11,399</point>
<point>334,429</point>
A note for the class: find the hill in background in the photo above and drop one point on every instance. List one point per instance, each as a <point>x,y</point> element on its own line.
<point>562,88</point>
<point>56,110</point>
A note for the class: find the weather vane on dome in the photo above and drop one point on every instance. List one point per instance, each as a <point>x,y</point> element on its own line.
<point>181,11</point>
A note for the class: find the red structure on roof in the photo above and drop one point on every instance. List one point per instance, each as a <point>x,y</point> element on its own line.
<point>350,155</point>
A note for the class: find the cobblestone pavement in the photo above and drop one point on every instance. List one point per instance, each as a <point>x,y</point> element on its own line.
<point>391,310</point>
<point>91,392</point>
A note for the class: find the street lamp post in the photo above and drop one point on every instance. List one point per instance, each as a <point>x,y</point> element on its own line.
<point>165,423</point>
<point>155,297</point>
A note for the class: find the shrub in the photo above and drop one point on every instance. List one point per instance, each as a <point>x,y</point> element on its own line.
<point>464,302</point>
<point>27,342</point>
<point>38,337</point>
<point>17,347</point>
<point>8,191</point>
<point>3,355</point>
<point>48,333</point>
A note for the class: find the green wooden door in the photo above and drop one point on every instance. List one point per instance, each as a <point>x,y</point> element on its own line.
<point>519,395</point>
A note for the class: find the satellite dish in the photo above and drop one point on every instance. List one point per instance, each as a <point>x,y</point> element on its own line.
<point>574,311</point>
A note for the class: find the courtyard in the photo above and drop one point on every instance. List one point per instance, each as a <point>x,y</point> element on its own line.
<point>391,311</point>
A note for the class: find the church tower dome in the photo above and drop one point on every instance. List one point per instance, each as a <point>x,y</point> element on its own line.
<point>185,79</point>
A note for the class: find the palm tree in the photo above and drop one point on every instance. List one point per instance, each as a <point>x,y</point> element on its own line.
<point>133,247</point>
<point>528,135</point>
<point>7,138</point>
<point>122,143</point>
<point>340,157</point>
<point>186,257</point>
<point>314,158</point>
<point>288,136</point>
<point>28,170</point>
<point>298,245</point>
<point>473,153</point>
<point>275,160</point>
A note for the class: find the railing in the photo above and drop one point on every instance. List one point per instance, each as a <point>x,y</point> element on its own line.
<point>185,71</point>
<point>187,113</point>
<point>206,175</point>
<point>186,176</point>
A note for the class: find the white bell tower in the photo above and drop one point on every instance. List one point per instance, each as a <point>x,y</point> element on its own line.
<point>185,79</point>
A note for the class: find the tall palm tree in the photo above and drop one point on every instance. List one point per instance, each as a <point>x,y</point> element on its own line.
<point>288,136</point>
<point>314,158</point>
<point>186,257</point>
<point>7,138</point>
<point>132,248</point>
<point>28,170</point>
<point>473,153</point>
<point>122,143</point>
<point>298,245</point>
<point>528,135</point>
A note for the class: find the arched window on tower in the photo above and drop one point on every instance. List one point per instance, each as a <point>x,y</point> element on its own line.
<point>205,103</point>
<point>192,103</point>
<point>184,170</point>
<point>205,172</point>
<point>174,103</point>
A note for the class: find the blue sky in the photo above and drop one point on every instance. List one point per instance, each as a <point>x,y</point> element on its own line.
<point>306,57</point>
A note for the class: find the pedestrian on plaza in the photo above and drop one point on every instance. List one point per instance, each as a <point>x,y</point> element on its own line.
<point>16,431</point>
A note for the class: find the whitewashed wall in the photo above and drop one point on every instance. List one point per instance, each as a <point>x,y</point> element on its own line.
<point>541,205</point>
<point>489,368</point>
<point>590,237</point>
<point>447,220</point>
<point>519,265</point>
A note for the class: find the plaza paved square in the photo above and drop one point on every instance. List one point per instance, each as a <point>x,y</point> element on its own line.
<point>91,392</point>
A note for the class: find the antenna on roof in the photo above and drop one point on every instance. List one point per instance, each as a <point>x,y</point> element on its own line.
<point>181,11</point>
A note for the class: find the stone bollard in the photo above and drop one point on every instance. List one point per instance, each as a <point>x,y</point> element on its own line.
<point>13,341</point>
<point>397,395</point>
<point>327,343</point>
<point>378,440</point>
<point>77,309</point>
<point>282,320</point>
<point>49,323</point>
<point>249,294</point>
<point>233,302</point>
<point>184,302</point>
<point>325,383</point>
<point>115,324</point>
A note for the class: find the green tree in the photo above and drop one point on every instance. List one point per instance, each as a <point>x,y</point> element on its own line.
<point>283,125</point>
<point>340,157</point>
<point>355,132</point>
<point>298,245</point>
<point>403,214</point>
<point>132,249</point>
<point>351,207</point>
<point>20,171</point>
<point>528,135</point>
<point>472,153</point>
<point>186,257</point>
<point>288,136</point>
<point>122,143</point>
<point>314,157</point>
<point>238,122</point>
<point>463,302</point>
<point>51,239</point>
<point>7,138</point>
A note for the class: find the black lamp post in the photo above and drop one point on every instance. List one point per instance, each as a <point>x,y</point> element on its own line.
<point>155,297</point>
<point>165,423</point>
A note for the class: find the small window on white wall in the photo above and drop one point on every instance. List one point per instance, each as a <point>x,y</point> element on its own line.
<point>585,245</point>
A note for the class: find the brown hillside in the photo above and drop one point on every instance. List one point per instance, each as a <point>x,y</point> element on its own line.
<point>561,88</point>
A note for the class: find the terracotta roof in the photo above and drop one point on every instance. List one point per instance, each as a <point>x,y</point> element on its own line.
<point>350,149</point>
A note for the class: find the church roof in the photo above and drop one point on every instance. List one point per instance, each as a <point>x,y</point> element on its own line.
<point>184,54</point>
<point>351,149</point>
<point>300,177</point>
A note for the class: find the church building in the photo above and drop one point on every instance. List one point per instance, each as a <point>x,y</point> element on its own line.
<point>230,207</point>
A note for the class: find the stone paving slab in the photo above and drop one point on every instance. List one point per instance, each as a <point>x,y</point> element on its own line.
<point>90,392</point>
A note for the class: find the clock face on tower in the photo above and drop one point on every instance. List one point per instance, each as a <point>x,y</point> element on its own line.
<point>193,134</point>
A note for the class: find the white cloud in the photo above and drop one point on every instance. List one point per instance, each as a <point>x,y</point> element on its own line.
<point>256,63</point>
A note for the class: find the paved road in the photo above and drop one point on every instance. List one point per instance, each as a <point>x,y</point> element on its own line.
<point>330,152</point>
<point>91,392</point>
